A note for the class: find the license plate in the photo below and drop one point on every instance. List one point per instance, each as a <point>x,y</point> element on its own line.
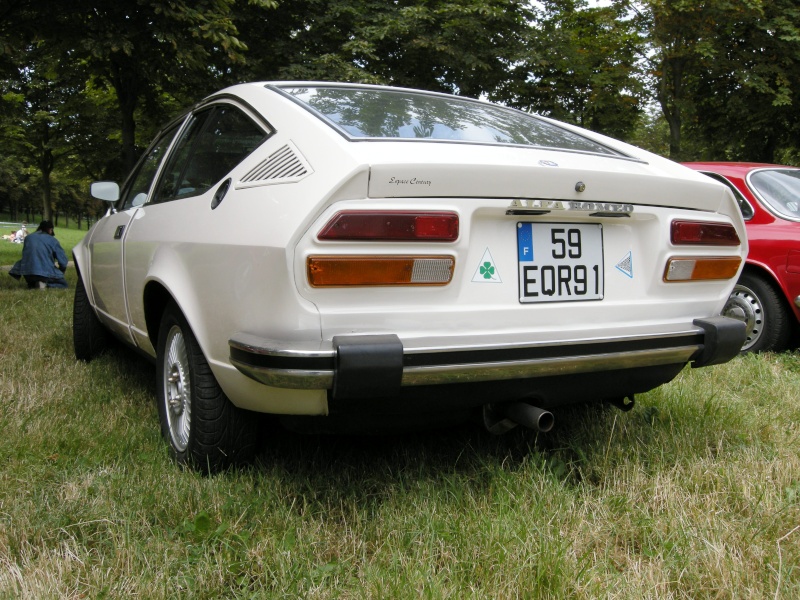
<point>560,262</point>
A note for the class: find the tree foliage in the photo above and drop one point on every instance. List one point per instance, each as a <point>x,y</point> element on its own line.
<point>578,64</point>
<point>147,51</point>
<point>753,79</point>
<point>41,107</point>
<point>85,85</point>
<point>727,72</point>
<point>460,46</point>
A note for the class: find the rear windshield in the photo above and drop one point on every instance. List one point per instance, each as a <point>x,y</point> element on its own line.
<point>367,113</point>
<point>780,189</point>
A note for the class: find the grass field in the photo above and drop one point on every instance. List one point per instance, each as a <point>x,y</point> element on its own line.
<point>693,494</point>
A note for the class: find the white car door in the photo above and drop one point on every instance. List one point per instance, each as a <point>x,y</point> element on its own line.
<point>107,246</point>
<point>106,270</point>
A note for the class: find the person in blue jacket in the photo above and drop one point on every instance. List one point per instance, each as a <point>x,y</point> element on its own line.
<point>39,255</point>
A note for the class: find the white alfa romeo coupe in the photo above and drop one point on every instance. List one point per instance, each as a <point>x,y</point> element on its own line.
<point>351,256</point>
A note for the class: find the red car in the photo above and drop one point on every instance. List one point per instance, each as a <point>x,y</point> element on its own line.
<point>767,295</point>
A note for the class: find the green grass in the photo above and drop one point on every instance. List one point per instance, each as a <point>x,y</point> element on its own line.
<point>693,494</point>
<point>11,253</point>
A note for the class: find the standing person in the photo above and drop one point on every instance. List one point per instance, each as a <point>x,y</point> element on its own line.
<point>39,255</point>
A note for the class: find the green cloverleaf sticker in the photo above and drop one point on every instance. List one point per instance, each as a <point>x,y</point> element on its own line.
<point>487,270</point>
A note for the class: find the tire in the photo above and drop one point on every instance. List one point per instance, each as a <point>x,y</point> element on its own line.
<point>89,336</point>
<point>205,431</point>
<point>757,302</point>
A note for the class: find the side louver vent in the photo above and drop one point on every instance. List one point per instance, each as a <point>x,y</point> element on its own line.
<point>285,165</point>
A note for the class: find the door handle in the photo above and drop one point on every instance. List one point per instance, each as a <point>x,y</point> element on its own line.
<point>118,232</point>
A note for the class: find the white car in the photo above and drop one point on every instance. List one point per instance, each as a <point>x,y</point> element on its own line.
<point>364,256</point>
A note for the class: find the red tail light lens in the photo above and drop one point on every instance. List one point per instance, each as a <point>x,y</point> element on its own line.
<point>392,226</point>
<point>704,234</point>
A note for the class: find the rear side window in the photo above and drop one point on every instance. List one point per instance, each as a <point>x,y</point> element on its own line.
<point>213,142</point>
<point>780,189</point>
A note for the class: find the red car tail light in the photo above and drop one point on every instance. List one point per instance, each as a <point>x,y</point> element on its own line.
<point>359,270</point>
<point>391,226</point>
<point>703,234</point>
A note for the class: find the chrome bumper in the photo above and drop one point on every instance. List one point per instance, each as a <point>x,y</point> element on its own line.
<point>352,365</point>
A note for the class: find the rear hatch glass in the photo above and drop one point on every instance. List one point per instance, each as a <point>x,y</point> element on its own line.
<point>362,113</point>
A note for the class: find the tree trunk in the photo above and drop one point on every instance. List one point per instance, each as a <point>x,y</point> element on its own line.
<point>768,154</point>
<point>46,163</point>
<point>674,121</point>
<point>127,89</point>
<point>670,97</point>
<point>47,192</point>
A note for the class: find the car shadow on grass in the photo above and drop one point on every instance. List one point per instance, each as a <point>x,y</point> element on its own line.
<point>465,451</point>
<point>590,445</point>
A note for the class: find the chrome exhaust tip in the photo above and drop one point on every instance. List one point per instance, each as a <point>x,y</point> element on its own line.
<point>530,416</point>
<point>500,418</point>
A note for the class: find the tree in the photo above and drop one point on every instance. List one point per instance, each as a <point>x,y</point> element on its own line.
<point>16,185</point>
<point>39,109</point>
<point>748,97</point>
<point>725,71</point>
<point>579,64</point>
<point>144,50</point>
<point>674,39</point>
<point>460,46</point>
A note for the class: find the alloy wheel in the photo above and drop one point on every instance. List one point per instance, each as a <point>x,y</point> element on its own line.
<point>177,389</point>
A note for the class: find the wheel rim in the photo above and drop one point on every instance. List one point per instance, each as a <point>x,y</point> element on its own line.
<point>177,391</point>
<point>745,306</point>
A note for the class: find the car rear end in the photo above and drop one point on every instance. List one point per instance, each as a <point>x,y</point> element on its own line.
<point>456,274</point>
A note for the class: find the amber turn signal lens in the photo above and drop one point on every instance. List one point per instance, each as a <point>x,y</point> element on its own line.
<point>703,234</point>
<point>701,268</point>
<point>344,271</point>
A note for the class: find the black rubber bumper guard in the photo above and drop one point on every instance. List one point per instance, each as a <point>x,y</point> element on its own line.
<point>724,338</point>
<point>355,366</point>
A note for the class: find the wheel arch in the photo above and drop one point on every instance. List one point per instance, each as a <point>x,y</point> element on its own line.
<point>766,305</point>
<point>158,294</point>
<point>79,255</point>
<point>169,279</point>
<point>78,271</point>
<point>156,298</point>
<point>757,269</point>
<point>80,258</point>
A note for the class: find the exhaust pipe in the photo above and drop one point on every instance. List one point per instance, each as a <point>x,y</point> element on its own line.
<point>625,403</point>
<point>530,416</point>
<point>501,418</point>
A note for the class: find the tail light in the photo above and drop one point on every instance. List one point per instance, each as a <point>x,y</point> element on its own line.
<point>391,226</point>
<point>359,270</point>
<point>385,270</point>
<point>687,268</point>
<point>702,268</point>
<point>701,233</point>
